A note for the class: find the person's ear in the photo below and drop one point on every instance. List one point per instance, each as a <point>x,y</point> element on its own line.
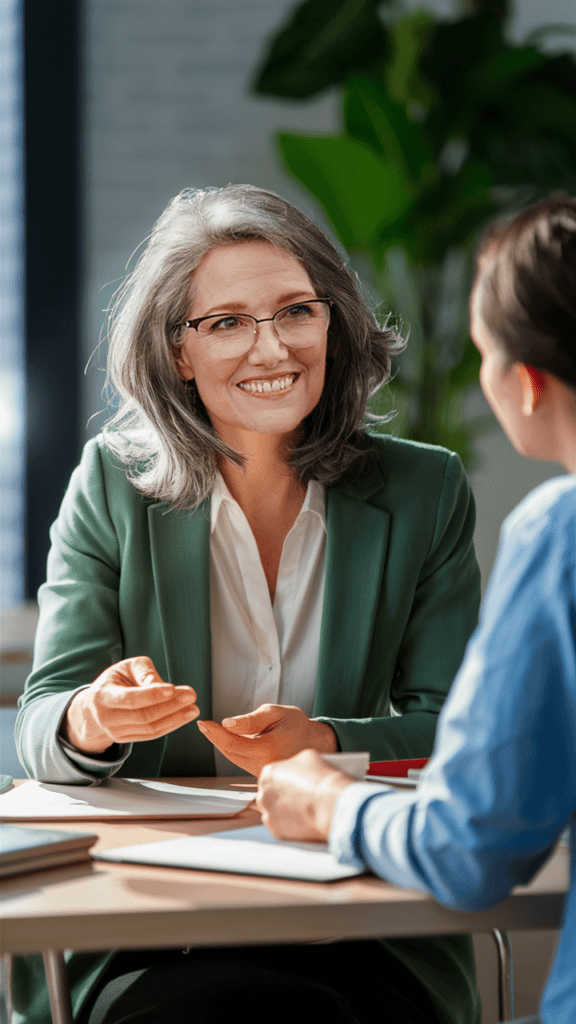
<point>184,371</point>
<point>533,384</point>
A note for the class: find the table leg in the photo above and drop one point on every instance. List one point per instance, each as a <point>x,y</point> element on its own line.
<point>58,988</point>
<point>505,982</point>
<point>7,984</point>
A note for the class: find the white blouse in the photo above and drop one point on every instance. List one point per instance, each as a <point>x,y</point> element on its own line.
<point>264,652</point>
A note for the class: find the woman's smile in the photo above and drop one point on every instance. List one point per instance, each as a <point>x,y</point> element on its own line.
<point>269,387</point>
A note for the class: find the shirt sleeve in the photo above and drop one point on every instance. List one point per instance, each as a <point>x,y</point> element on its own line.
<point>484,817</point>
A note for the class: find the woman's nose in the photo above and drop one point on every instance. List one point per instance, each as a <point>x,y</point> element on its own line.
<point>267,348</point>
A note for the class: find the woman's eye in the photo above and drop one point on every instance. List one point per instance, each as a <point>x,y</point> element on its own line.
<point>299,312</point>
<point>227,323</point>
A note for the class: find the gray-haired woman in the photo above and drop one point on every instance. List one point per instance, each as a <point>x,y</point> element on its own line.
<point>237,546</point>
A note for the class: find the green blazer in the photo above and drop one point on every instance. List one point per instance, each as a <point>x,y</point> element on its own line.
<point>128,576</point>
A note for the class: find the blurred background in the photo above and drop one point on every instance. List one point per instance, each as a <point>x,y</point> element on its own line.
<point>401,127</point>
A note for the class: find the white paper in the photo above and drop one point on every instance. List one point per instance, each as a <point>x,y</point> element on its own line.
<point>118,798</point>
<point>246,851</point>
<point>354,763</point>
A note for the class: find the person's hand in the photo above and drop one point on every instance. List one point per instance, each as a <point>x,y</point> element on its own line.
<point>297,798</point>
<point>270,733</point>
<point>127,703</point>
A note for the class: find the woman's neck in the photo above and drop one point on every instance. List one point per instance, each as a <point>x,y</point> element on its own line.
<point>265,485</point>
<point>270,495</point>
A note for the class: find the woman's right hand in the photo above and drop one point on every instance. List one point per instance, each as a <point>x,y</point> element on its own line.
<point>127,703</point>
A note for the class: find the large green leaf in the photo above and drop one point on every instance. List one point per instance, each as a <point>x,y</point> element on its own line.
<point>321,44</point>
<point>371,116</point>
<point>360,192</point>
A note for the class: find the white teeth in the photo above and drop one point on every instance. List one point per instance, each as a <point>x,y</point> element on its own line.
<point>258,387</point>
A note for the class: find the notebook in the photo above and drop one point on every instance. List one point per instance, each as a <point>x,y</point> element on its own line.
<point>32,849</point>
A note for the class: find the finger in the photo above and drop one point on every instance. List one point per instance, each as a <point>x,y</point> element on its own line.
<point>250,755</point>
<point>135,731</point>
<point>139,697</point>
<point>224,740</point>
<point>139,671</point>
<point>186,691</point>
<point>257,721</point>
<point>143,670</point>
<point>148,715</point>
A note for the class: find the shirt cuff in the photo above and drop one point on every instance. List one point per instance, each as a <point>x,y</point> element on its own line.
<point>345,840</point>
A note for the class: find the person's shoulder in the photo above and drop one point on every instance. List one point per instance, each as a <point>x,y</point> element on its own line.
<point>102,473</point>
<point>548,509</point>
<point>411,479</point>
<point>97,458</point>
<point>403,459</point>
<point>537,551</point>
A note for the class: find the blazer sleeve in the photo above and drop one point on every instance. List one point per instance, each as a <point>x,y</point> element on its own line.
<point>440,615</point>
<point>78,633</point>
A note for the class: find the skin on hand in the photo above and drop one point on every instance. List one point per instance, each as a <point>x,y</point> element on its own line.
<point>297,798</point>
<point>127,703</point>
<point>271,733</point>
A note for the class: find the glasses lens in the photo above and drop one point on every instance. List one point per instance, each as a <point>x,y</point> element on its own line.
<point>302,322</point>
<point>228,326</point>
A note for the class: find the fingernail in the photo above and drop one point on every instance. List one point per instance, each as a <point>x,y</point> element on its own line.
<point>228,722</point>
<point>200,726</point>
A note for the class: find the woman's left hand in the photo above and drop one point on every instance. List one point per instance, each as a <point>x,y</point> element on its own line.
<point>297,798</point>
<point>271,733</point>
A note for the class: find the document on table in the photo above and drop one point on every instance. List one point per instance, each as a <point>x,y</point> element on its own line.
<point>245,851</point>
<point>118,798</point>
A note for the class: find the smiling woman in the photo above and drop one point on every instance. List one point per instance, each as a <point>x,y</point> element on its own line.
<point>237,546</point>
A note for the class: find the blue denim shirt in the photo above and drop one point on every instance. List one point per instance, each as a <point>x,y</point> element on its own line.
<point>501,784</point>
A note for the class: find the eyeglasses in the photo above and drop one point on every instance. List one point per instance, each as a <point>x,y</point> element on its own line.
<point>297,326</point>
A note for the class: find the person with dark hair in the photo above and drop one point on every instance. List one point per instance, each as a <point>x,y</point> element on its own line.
<point>500,787</point>
<point>236,545</point>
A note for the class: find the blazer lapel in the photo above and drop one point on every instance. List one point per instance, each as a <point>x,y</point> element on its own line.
<point>180,543</point>
<point>357,539</point>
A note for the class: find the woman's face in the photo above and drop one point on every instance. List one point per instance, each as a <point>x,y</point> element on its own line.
<point>499,380</point>
<point>257,278</point>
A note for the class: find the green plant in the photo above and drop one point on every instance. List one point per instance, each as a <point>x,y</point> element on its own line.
<point>445,125</point>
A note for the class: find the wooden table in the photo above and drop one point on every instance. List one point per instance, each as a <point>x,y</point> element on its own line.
<point>122,905</point>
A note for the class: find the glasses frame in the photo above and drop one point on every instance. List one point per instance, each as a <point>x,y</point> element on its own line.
<point>266,319</point>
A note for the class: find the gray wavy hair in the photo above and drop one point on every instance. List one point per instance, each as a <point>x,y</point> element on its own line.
<point>161,430</point>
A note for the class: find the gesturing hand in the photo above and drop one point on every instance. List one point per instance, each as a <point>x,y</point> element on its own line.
<point>297,798</point>
<point>270,733</point>
<point>128,702</point>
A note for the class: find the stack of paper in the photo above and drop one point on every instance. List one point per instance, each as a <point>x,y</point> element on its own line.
<point>118,798</point>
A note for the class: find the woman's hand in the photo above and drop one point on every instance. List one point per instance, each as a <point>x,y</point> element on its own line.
<point>128,703</point>
<point>270,733</point>
<point>297,798</point>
